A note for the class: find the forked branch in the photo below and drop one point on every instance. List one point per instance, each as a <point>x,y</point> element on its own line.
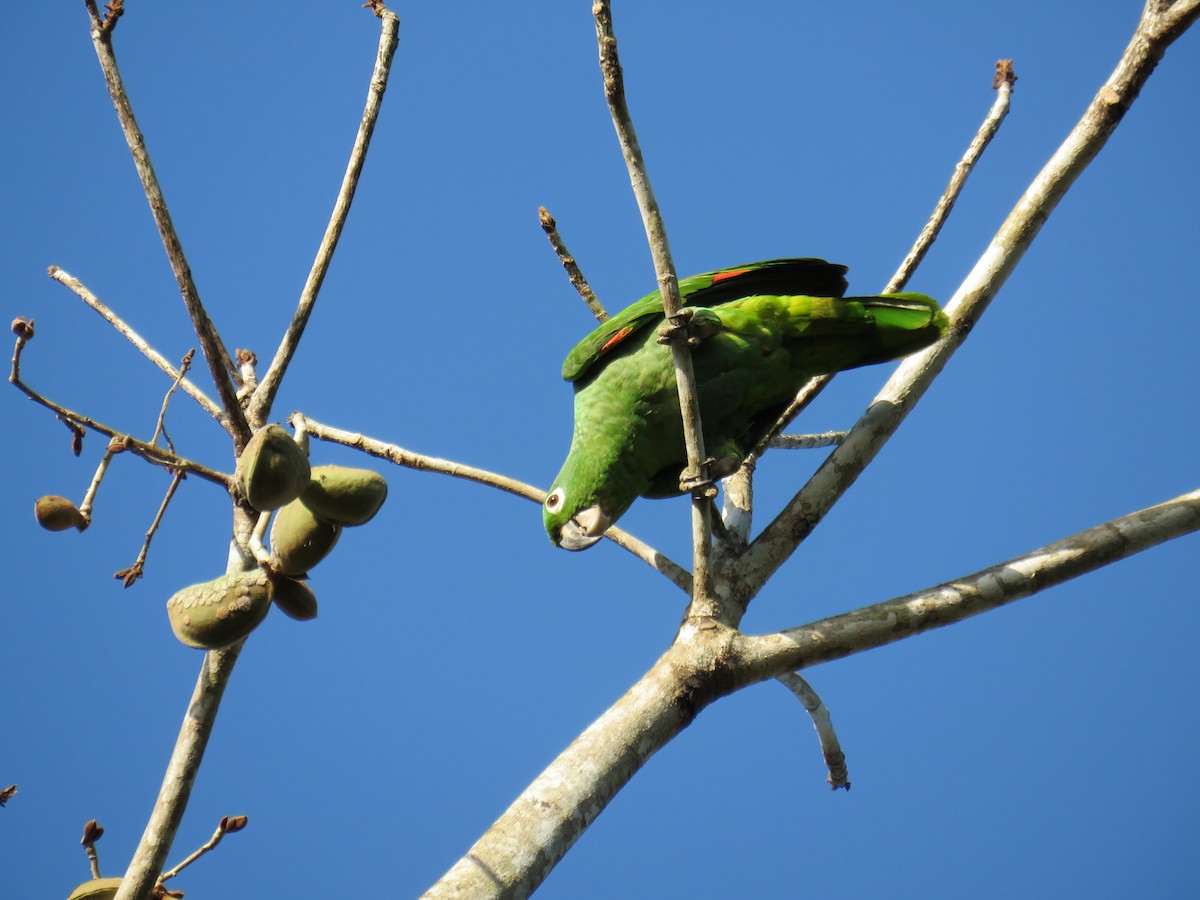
<point>268,387</point>
<point>215,354</point>
<point>708,660</point>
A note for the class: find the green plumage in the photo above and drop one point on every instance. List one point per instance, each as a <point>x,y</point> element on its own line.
<point>766,328</point>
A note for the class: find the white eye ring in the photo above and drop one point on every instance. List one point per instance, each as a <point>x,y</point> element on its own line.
<point>556,499</point>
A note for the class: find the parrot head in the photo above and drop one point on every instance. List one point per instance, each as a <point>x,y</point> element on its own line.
<point>594,489</point>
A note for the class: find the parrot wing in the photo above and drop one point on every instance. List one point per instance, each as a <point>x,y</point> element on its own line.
<point>809,277</point>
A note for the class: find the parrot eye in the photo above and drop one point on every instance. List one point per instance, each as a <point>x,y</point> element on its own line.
<point>555,501</point>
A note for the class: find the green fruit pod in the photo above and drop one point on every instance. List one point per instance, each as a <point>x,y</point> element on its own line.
<point>58,514</point>
<point>299,540</point>
<point>295,599</point>
<point>344,496</point>
<point>217,613</point>
<point>96,889</point>
<point>272,470</point>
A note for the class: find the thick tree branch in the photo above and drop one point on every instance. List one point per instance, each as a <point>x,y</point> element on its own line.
<point>268,387</point>
<point>215,354</point>
<point>704,602</point>
<point>904,389</point>
<point>401,457</point>
<point>523,845</point>
<point>768,656</point>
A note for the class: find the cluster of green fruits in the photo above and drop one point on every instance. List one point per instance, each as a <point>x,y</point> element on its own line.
<point>312,505</point>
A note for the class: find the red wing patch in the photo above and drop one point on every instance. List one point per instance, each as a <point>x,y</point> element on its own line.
<point>615,339</point>
<point>725,276</point>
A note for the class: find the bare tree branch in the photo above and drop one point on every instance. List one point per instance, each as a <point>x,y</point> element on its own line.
<point>134,572</point>
<point>152,850</point>
<point>704,602</point>
<point>268,387</point>
<point>572,267</point>
<point>517,852</point>
<point>401,457</point>
<point>769,550</point>
<point>1003,84</point>
<point>831,747</point>
<point>189,387</point>
<point>215,354</point>
<point>149,452</point>
<point>873,626</point>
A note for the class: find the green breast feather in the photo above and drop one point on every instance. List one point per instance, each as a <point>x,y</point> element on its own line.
<point>765,329</point>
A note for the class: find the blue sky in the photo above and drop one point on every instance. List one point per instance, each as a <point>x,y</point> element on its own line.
<point>1043,750</point>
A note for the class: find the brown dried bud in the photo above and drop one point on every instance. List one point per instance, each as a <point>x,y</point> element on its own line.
<point>22,328</point>
<point>58,514</point>
<point>230,824</point>
<point>92,832</point>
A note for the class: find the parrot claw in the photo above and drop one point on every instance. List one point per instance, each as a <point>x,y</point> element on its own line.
<point>690,481</point>
<point>691,325</point>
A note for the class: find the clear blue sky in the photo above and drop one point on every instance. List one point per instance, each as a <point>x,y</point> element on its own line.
<point>1046,750</point>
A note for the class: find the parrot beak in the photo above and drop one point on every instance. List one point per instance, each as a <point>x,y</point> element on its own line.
<point>584,529</point>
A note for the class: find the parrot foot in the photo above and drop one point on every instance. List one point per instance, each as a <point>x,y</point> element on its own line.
<point>690,481</point>
<point>692,324</point>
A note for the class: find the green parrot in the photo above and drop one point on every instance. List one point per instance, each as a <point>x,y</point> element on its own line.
<point>759,331</point>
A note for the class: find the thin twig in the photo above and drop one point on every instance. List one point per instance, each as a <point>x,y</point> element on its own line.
<point>704,604</point>
<point>134,572</point>
<point>568,262</point>
<point>92,832</point>
<point>228,825</point>
<point>159,426</point>
<point>150,452</point>
<point>831,748</point>
<point>264,394</point>
<point>189,387</point>
<point>407,458</point>
<point>115,446</point>
<point>1003,83</point>
<point>219,364</point>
